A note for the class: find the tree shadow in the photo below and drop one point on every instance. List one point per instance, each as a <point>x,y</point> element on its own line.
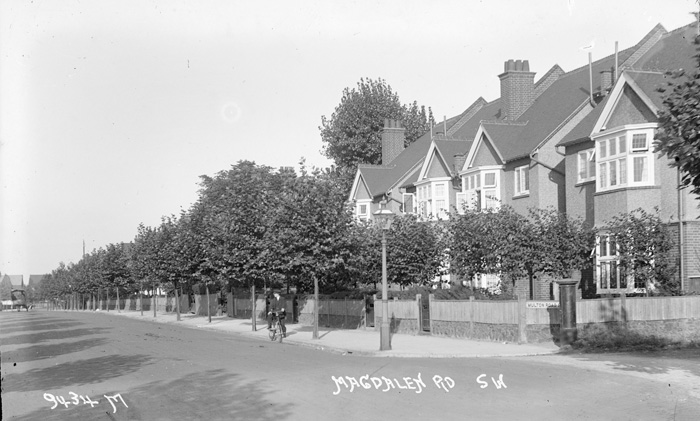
<point>33,338</point>
<point>79,372</point>
<point>40,352</point>
<point>213,394</point>
<point>40,326</point>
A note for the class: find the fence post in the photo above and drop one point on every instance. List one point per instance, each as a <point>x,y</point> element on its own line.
<point>328,302</point>
<point>623,308</point>
<point>419,313</point>
<point>430,313</point>
<point>471,316</point>
<point>522,319</point>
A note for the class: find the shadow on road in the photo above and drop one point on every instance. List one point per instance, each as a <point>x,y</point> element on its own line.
<point>40,352</point>
<point>211,395</point>
<point>657,362</point>
<point>33,338</point>
<point>79,372</point>
<point>27,327</point>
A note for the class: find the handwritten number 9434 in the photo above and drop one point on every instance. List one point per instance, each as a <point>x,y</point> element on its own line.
<point>76,399</point>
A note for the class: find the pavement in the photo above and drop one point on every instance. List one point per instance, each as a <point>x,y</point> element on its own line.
<point>364,342</point>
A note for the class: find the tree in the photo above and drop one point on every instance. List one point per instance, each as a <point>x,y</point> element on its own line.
<point>415,251</point>
<point>515,246</point>
<point>307,239</point>
<point>643,244</point>
<point>352,135</point>
<point>235,207</point>
<point>678,135</point>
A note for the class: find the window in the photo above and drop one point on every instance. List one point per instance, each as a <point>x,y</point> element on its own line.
<point>612,276</point>
<point>522,180</point>
<point>461,202</point>
<point>409,203</point>
<point>586,166</point>
<point>607,265</point>
<point>433,199</point>
<point>362,209</point>
<point>619,166</point>
<point>481,190</point>
<point>639,142</point>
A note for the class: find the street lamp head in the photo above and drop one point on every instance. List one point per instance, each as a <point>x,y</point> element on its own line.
<point>384,216</point>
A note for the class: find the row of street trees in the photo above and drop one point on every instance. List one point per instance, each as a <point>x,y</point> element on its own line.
<point>253,226</point>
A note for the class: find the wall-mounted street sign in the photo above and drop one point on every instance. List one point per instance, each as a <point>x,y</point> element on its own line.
<point>542,304</point>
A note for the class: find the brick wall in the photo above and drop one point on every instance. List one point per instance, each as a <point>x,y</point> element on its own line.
<point>517,88</point>
<point>393,138</point>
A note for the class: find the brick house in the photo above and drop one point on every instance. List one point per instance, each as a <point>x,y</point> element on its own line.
<point>612,168</point>
<point>523,148</point>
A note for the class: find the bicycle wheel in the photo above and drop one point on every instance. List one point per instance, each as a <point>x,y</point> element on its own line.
<point>281,332</point>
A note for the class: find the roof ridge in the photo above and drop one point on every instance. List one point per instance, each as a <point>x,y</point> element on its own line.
<point>375,166</point>
<point>467,115</point>
<point>504,122</point>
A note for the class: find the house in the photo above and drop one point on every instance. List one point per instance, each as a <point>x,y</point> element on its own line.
<point>611,166</point>
<point>8,284</point>
<point>524,149</point>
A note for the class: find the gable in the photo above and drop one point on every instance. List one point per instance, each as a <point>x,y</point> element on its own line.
<point>437,168</point>
<point>362,191</point>
<point>485,154</point>
<point>630,109</point>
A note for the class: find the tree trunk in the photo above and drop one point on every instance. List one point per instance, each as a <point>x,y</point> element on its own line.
<point>252,297</point>
<point>119,310</point>
<point>155,301</point>
<point>177,304</point>
<point>208,304</point>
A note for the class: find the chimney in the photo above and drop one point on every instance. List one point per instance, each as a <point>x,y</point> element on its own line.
<point>606,81</point>
<point>459,162</point>
<point>517,88</point>
<point>393,138</point>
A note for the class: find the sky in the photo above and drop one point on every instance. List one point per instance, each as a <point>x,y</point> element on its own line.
<point>110,111</point>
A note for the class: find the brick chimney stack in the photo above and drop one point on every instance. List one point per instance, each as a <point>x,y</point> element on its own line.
<point>606,81</point>
<point>393,139</point>
<point>517,88</point>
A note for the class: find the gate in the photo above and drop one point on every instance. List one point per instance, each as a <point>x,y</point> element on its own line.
<point>425,315</point>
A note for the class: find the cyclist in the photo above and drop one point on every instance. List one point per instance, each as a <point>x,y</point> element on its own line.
<point>278,304</point>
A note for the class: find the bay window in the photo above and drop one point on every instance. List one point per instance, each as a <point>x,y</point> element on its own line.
<point>481,189</point>
<point>624,159</point>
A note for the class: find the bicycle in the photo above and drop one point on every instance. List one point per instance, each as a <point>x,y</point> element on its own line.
<point>276,331</point>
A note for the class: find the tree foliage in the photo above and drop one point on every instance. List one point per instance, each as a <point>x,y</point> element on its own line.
<point>678,135</point>
<point>516,246</point>
<point>352,135</point>
<point>643,245</point>
<point>415,251</point>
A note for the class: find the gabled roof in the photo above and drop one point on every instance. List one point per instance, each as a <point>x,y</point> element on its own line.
<point>17,281</point>
<point>674,50</point>
<point>381,178</point>
<point>446,149</point>
<point>35,279</point>
<point>582,132</point>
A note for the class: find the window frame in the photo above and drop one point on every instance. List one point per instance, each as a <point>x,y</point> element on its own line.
<point>473,185</point>
<point>588,156</point>
<point>617,170</point>
<point>518,178</point>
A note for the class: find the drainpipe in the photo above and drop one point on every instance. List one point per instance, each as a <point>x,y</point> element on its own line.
<point>680,229</point>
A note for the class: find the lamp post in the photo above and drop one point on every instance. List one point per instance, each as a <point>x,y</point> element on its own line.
<point>384,217</point>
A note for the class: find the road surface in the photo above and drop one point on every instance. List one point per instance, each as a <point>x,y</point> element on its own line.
<point>118,368</point>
